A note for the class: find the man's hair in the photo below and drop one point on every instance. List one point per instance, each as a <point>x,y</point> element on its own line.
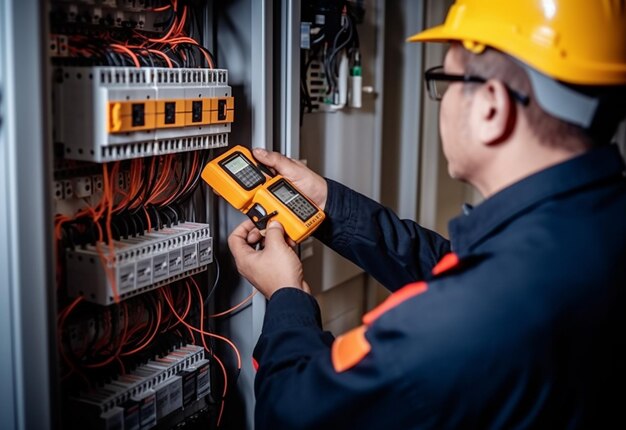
<point>493,64</point>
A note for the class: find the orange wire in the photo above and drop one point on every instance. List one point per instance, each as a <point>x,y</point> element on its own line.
<point>69,308</point>
<point>234,308</point>
<point>162,8</point>
<point>181,25</point>
<point>164,182</point>
<point>148,219</point>
<point>195,329</point>
<point>219,417</point>
<point>185,39</point>
<point>124,49</point>
<point>154,332</point>
<point>188,305</point>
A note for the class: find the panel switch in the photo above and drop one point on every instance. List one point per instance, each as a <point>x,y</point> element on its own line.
<point>138,115</point>
<point>170,113</point>
<point>196,111</point>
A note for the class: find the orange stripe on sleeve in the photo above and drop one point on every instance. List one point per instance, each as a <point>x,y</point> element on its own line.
<point>394,300</point>
<point>349,349</point>
<point>448,262</point>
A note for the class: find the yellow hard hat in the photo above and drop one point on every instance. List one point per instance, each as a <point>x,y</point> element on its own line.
<point>575,41</point>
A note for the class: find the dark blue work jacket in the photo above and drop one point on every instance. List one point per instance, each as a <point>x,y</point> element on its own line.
<point>523,326</point>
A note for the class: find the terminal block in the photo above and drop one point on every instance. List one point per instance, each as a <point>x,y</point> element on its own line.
<point>139,264</point>
<point>107,114</point>
<point>143,397</point>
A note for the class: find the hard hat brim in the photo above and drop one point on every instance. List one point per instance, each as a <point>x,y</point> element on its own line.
<point>434,34</point>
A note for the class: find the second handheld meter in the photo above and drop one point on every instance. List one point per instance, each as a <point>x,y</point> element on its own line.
<point>252,189</point>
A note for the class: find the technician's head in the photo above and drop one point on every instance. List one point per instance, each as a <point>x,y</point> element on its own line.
<point>547,74</point>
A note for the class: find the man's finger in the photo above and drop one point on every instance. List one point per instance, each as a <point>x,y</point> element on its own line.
<point>274,234</point>
<point>238,239</point>
<point>254,236</point>
<point>243,229</point>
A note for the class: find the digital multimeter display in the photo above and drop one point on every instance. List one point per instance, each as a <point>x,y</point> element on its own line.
<point>244,172</point>
<point>293,200</point>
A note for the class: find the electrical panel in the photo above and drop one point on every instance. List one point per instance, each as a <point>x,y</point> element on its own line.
<point>331,59</point>
<point>139,107</point>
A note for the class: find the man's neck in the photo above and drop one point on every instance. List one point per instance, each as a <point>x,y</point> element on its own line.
<point>518,160</point>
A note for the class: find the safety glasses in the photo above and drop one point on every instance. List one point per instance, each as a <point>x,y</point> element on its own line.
<point>437,83</point>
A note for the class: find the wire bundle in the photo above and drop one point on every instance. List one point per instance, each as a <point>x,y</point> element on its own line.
<point>178,46</point>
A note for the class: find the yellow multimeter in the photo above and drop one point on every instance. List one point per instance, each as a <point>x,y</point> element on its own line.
<point>251,188</point>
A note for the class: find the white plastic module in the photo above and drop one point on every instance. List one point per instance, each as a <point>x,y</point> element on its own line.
<point>140,263</point>
<point>154,388</point>
<point>94,111</point>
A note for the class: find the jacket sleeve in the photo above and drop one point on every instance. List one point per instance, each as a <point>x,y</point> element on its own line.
<point>297,387</point>
<point>394,251</point>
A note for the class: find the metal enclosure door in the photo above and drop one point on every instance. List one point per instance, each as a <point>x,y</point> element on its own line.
<point>27,304</point>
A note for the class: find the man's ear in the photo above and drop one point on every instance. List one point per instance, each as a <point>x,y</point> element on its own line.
<point>494,112</point>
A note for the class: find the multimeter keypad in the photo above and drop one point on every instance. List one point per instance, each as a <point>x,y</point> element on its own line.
<point>301,207</point>
<point>249,176</point>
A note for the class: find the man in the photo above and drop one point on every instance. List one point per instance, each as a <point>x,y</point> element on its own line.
<point>521,325</point>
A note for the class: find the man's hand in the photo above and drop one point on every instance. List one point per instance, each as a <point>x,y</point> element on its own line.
<point>272,268</point>
<point>307,181</point>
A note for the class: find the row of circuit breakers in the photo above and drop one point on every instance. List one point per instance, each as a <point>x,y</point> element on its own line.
<point>144,397</point>
<point>107,114</point>
<point>104,114</point>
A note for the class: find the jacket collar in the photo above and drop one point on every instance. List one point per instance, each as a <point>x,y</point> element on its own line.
<point>471,228</point>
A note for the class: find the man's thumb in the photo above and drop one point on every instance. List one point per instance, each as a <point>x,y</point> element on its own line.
<point>271,159</point>
<point>274,233</point>
<point>260,154</point>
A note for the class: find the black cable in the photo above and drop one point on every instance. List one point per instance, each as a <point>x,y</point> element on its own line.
<point>175,214</point>
<point>164,215</point>
<point>214,287</point>
<point>139,218</point>
<point>136,230</point>
<point>331,59</point>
